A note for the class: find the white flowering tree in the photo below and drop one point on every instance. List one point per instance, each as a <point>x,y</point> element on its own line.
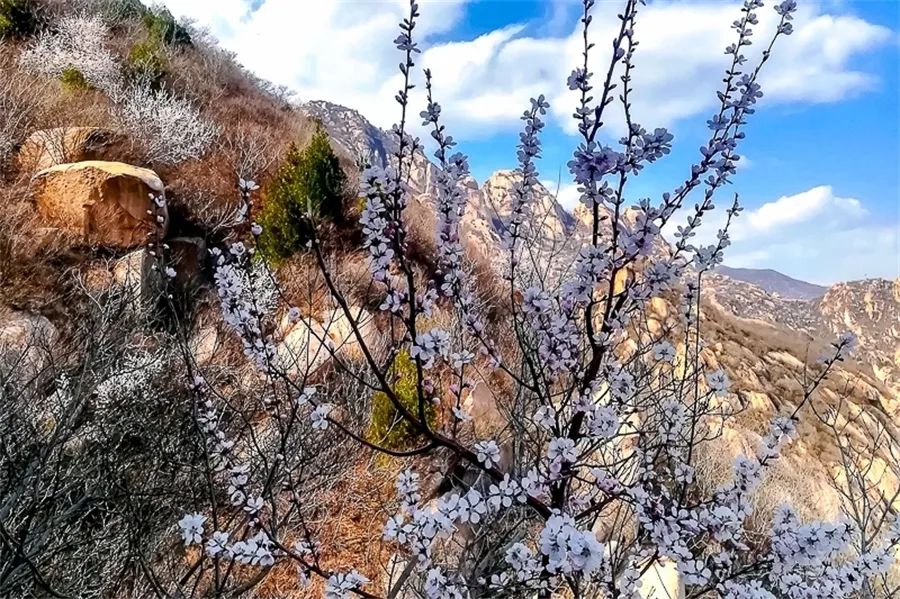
<point>589,482</point>
<point>169,129</point>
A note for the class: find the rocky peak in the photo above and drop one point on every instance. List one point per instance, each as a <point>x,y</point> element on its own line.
<point>870,309</point>
<point>350,130</point>
<point>552,217</point>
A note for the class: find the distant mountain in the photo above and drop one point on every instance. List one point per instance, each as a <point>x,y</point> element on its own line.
<point>773,281</point>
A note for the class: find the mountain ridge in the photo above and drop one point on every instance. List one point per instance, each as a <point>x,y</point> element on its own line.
<point>774,281</point>
<point>793,306</point>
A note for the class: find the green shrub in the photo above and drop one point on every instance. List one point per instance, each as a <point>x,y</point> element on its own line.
<point>309,182</point>
<point>18,18</point>
<point>116,11</point>
<point>147,60</point>
<point>73,80</point>
<point>162,26</point>
<point>388,428</point>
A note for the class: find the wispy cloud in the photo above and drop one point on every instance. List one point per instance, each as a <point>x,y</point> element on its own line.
<point>341,51</point>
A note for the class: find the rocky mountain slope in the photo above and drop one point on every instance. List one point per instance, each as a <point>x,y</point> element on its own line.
<point>775,282</point>
<point>767,336</point>
<point>870,309</point>
<point>766,342</point>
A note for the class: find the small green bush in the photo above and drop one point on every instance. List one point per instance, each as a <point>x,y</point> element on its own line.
<point>115,11</point>
<point>18,18</point>
<point>147,60</point>
<point>162,26</point>
<point>309,182</point>
<point>73,80</point>
<point>388,428</point>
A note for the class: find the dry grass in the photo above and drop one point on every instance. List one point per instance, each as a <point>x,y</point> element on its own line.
<point>349,528</point>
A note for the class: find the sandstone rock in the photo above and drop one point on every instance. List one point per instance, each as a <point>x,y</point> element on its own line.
<point>787,359</point>
<point>481,404</point>
<point>662,581</point>
<point>207,344</point>
<point>130,274</point>
<point>309,344</point>
<point>26,341</point>
<point>107,202</point>
<point>49,147</point>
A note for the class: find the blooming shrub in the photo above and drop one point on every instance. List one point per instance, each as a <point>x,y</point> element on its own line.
<point>75,42</point>
<point>310,184</point>
<point>170,129</point>
<point>388,428</point>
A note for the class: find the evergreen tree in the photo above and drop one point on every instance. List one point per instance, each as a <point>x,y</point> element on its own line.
<point>309,184</point>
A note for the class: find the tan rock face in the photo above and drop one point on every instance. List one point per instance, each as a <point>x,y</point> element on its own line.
<point>26,341</point>
<point>310,343</point>
<point>64,145</point>
<point>105,201</point>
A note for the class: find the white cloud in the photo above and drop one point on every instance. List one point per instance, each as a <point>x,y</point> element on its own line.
<point>322,49</point>
<point>342,51</point>
<point>818,205</point>
<point>813,235</point>
<point>854,253</point>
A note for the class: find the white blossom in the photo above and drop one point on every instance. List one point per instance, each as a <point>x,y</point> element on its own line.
<point>320,416</point>
<point>488,453</point>
<point>340,585</point>
<point>191,526</point>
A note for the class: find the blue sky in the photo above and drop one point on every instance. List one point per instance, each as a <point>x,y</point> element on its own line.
<point>821,185</point>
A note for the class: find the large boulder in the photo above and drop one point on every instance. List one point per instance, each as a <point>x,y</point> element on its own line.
<point>309,343</point>
<point>26,345</point>
<point>108,202</point>
<point>137,278</point>
<point>65,145</point>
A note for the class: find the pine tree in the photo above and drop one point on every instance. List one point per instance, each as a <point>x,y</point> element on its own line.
<point>308,185</point>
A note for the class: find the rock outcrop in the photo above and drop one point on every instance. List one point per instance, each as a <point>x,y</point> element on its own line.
<point>26,341</point>
<point>310,342</point>
<point>64,145</point>
<point>870,309</point>
<point>109,203</point>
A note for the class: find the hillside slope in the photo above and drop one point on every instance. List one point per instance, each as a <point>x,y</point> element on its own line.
<point>87,312</point>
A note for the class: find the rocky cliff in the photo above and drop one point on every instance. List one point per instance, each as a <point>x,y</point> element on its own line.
<point>767,340</point>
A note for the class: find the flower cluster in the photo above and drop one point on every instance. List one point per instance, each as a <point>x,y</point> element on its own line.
<point>429,346</point>
<point>169,129</point>
<point>76,43</point>
<point>342,584</point>
<point>246,296</point>
<point>569,549</point>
